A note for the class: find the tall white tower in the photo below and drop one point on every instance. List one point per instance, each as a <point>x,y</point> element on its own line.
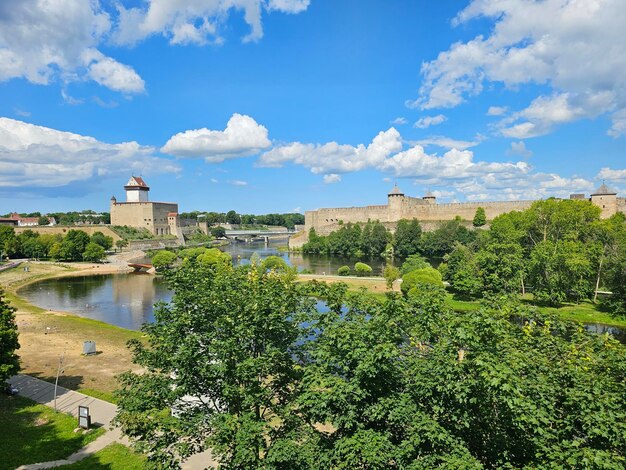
<point>136,190</point>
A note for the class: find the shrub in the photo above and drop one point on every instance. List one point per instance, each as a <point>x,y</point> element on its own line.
<point>214,256</point>
<point>163,259</point>
<point>344,271</point>
<point>391,273</point>
<point>421,276</point>
<point>362,269</point>
<point>273,262</point>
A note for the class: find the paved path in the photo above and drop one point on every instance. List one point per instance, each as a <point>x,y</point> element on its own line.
<point>102,413</point>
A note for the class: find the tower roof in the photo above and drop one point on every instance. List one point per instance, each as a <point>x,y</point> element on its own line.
<point>429,195</point>
<point>603,190</point>
<point>396,191</point>
<point>136,182</point>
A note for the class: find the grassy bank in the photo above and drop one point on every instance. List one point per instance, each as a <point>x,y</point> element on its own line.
<point>112,457</point>
<point>33,433</point>
<point>46,335</point>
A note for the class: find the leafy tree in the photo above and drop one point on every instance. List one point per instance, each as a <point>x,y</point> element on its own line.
<point>444,238</point>
<point>480,218</point>
<point>391,273</point>
<point>462,271</point>
<point>73,245</point>
<point>228,371</point>
<point>406,239</point>
<point>9,361</point>
<point>414,262</point>
<point>214,256</point>
<point>233,218</point>
<point>362,269</point>
<point>344,271</point>
<point>9,244</point>
<point>163,259</point>
<point>218,232</point>
<point>43,220</point>
<point>33,248</point>
<point>192,252</point>
<point>102,240</point>
<point>421,276</point>
<point>274,263</point>
<point>94,253</point>
<point>121,244</point>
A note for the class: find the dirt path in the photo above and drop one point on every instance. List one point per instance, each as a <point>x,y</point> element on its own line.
<point>46,335</point>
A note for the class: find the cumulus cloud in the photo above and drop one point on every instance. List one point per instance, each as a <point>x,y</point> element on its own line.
<point>197,21</point>
<point>332,178</point>
<point>242,137</point>
<point>40,157</point>
<point>538,42</point>
<point>333,157</point>
<point>42,41</point>
<point>519,149</point>
<point>612,175</point>
<point>427,121</point>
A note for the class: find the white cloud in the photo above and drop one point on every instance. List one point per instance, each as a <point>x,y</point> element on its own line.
<point>332,178</point>
<point>399,121</point>
<point>427,121</point>
<point>214,180</point>
<point>333,157</point>
<point>612,175</point>
<point>41,157</point>
<point>519,149</point>
<point>497,110</point>
<point>447,142</point>
<point>195,21</point>
<point>242,137</point>
<point>238,183</point>
<point>538,42</point>
<point>43,41</point>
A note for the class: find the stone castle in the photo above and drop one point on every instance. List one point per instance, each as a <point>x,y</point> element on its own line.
<point>429,212</point>
<point>160,218</point>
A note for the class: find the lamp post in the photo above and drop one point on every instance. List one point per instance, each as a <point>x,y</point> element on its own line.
<point>56,382</point>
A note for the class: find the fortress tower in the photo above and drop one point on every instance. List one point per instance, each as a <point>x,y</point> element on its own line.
<point>605,199</point>
<point>394,203</point>
<point>136,190</point>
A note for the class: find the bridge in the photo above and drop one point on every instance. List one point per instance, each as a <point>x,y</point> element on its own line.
<point>249,235</point>
<point>140,267</point>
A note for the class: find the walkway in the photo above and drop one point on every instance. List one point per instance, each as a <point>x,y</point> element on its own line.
<point>102,413</point>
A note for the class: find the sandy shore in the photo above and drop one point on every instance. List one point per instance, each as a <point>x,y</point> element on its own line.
<point>46,335</point>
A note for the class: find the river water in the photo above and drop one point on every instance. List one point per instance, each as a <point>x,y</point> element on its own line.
<point>127,300</point>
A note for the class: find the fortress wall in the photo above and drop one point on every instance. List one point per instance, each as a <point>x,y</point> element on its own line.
<point>322,218</point>
<point>63,229</point>
<point>465,210</point>
<point>621,205</point>
<point>149,215</point>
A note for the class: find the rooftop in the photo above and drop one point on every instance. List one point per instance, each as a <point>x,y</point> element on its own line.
<point>396,191</point>
<point>603,190</point>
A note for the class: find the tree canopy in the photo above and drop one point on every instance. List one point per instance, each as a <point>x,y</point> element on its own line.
<point>9,361</point>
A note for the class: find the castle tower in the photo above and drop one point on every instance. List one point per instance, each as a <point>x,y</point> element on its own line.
<point>394,203</point>
<point>606,199</point>
<point>136,190</point>
<point>430,198</point>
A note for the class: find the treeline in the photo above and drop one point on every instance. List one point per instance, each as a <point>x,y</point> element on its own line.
<point>373,239</point>
<point>402,383</point>
<point>559,249</point>
<point>76,245</point>
<point>288,220</point>
<point>69,218</point>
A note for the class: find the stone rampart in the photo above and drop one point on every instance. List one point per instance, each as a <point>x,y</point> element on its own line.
<point>63,229</point>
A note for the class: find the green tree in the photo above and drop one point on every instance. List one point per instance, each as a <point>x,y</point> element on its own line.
<point>214,256</point>
<point>418,277</point>
<point>461,269</point>
<point>163,259</point>
<point>218,232</point>
<point>121,244</point>
<point>344,271</point>
<point>480,218</point>
<point>406,239</point>
<point>274,263</point>
<point>9,361</point>
<point>444,238</point>
<point>73,245</point>
<point>9,244</point>
<point>228,372</point>
<point>362,269</point>
<point>391,273</point>
<point>413,262</point>
<point>102,240</point>
<point>94,253</point>
<point>233,218</point>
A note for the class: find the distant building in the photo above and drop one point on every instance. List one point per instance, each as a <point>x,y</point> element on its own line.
<point>160,218</point>
<point>19,221</point>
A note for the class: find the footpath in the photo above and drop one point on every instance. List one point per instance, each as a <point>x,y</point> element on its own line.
<point>102,413</point>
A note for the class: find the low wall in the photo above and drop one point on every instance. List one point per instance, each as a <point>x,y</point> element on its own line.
<point>158,244</point>
<point>63,229</point>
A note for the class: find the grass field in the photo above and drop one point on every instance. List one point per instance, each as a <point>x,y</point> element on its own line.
<point>112,457</point>
<point>33,433</point>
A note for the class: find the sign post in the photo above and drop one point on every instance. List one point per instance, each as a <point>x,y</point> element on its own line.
<point>84,418</point>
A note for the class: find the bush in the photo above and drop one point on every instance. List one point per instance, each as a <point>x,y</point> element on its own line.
<point>214,256</point>
<point>414,262</point>
<point>362,269</point>
<point>428,276</point>
<point>391,273</point>
<point>218,232</point>
<point>344,271</point>
<point>163,259</point>
<point>93,252</point>
<point>274,262</point>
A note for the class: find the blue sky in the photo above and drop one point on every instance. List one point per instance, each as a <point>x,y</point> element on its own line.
<point>279,105</point>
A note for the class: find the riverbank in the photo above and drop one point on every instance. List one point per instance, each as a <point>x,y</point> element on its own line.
<point>47,335</point>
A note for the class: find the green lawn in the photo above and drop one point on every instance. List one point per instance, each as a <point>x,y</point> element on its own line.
<point>33,433</point>
<point>112,457</point>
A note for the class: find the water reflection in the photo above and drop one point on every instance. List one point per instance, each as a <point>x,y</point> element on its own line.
<point>124,300</point>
